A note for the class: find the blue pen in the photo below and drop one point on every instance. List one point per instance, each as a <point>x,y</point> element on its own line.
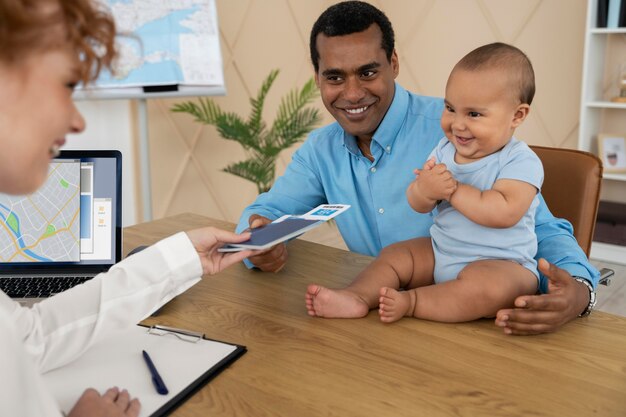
<point>159,385</point>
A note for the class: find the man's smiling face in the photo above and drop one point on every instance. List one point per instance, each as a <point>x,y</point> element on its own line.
<point>356,80</point>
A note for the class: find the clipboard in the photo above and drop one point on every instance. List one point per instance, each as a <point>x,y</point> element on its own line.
<point>185,360</point>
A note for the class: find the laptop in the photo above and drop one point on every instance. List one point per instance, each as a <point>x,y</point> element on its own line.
<point>65,233</point>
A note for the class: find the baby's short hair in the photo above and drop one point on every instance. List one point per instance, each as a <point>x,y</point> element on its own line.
<point>506,58</point>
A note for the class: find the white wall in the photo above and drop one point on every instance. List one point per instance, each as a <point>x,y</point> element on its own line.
<point>110,126</point>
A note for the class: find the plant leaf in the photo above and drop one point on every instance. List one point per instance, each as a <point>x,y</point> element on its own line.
<point>206,111</point>
<point>255,121</point>
<point>293,121</point>
<point>300,125</point>
<point>230,126</point>
<point>259,171</point>
<point>295,100</point>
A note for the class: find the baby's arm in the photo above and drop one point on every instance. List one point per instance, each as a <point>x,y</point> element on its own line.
<point>432,183</point>
<point>500,207</point>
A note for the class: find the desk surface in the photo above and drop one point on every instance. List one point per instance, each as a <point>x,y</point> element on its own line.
<point>297,365</point>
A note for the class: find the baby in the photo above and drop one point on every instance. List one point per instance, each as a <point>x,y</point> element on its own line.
<point>482,186</point>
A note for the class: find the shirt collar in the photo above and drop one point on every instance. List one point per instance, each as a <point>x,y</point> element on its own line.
<point>390,126</point>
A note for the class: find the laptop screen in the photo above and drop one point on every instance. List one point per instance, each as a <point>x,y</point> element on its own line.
<point>72,223</point>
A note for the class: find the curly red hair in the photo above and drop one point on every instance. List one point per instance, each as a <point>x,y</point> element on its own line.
<point>26,27</point>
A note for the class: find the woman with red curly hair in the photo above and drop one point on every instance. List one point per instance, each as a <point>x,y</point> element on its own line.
<point>47,47</point>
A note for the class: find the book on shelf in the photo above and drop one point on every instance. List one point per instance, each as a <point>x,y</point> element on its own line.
<point>603,9</point>
<point>615,13</point>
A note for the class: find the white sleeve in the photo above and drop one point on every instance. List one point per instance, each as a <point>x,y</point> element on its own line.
<point>22,390</point>
<point>59,329</point>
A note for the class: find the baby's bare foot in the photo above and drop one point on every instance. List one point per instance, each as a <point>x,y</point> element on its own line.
<point>329,303</point>
<point>393,305</point>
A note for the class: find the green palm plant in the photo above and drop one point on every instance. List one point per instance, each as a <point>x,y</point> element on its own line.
<point>262,145</point>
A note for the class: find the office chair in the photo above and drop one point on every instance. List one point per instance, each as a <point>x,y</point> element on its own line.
<point>571,188</point>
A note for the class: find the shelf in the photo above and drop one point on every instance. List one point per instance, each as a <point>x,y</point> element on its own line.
<point>609,253</point>
<point>604,48</point>
<point>605,31</point>
<point>614,176</point>
<point>606,105</point>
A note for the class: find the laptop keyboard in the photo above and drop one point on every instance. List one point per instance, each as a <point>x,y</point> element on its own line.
<point>38,287</point>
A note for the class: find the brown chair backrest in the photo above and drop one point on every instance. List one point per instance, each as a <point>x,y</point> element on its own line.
<point>571,188</point>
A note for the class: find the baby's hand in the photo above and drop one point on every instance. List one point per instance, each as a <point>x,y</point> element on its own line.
<point>428,165</point>
<point>436,183</point>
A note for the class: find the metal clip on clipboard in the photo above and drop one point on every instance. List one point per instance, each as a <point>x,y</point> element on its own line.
<point>182,334</point>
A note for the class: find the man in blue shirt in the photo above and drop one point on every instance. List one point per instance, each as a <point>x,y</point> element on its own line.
<point>366,159</point>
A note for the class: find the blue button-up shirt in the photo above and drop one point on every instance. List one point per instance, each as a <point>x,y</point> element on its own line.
<point>329,169</point>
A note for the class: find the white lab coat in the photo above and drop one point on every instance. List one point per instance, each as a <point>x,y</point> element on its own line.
<point>58,330</point>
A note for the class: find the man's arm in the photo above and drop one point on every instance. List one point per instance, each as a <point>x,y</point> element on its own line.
<point>297,191</point>
<point>563,298</point>
<point>546,313</point>
<point>557,245</point>
<point>272,259</point>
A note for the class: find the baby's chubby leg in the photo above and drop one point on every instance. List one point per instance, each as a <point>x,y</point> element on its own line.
<point>394,304</point>
<point>393,268</point>
<point>480,290</point>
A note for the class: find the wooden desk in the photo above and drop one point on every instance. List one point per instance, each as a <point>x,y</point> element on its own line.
<point>302,366</point>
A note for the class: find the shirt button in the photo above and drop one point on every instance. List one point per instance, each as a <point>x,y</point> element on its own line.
<point>388,149</point>
<point>373,169</point>
<point>381,210</point>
